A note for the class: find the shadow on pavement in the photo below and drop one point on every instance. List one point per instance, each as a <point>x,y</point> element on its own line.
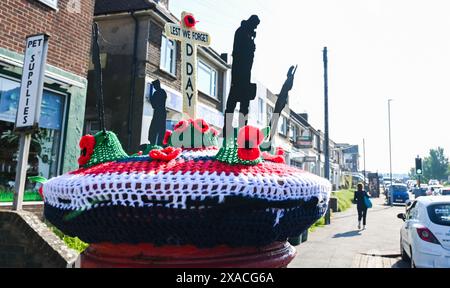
<point>401,264</point>
<point>348,234</point>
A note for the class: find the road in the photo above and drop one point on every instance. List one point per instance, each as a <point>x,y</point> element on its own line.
<point>341,245</point>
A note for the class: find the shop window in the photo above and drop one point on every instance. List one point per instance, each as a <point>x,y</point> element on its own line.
<point>168,55</point>
<point>45,147</point>
<point>207,79</point>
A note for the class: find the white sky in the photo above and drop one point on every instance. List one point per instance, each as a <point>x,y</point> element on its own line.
<point>378,49</point>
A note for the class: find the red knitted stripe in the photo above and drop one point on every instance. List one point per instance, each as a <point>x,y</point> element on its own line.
<point>180,165</point>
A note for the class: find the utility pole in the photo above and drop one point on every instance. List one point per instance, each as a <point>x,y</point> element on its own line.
<point>364,156</point>
<point>327,132</point>
<point>390,148</point>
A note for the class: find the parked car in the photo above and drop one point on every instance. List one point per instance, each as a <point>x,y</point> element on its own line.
<point>419,192</point>
<point>398,193</point>
<point>445,191</point>
<point>425,235</point>
<point>433,182</point>
<point>433,190</point>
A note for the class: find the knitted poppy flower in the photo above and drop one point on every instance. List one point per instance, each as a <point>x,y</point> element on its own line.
<point>167,137</point>
<point>248,141</point>
<point>167,154</point>
<point>181,126</point>
<point>201,125</point>
<point>273,158</point>
<point>41,192</point>
<point>190,21</point>
<point>87,145</point>
<point>280,151</point>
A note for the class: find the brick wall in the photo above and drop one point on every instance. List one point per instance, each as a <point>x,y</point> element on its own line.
<point>69,30</point>
<point>154,59</point>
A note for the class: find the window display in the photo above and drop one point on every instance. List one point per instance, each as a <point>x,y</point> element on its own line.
<point>45,145</point>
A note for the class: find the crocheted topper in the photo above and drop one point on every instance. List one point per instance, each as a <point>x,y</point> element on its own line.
<point>192,134</point>
<point>101,148</point>
<point>243,148</point>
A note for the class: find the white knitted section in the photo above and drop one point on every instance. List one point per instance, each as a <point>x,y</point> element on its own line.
<point>80,192</point>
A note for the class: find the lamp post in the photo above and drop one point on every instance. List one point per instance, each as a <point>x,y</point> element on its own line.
<point>390,147</point>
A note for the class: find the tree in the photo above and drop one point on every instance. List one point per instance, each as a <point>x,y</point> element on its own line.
<point>436,166</point>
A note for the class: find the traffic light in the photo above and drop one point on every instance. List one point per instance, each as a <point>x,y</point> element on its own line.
<point>419,170</point>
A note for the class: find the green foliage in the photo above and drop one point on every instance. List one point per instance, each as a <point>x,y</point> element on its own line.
<point>74,243</point>
<point>28,196</point>
<point>436,166</point>
<point>345,199</point>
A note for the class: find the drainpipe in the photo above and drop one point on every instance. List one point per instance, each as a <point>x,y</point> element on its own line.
<point>133,79</point>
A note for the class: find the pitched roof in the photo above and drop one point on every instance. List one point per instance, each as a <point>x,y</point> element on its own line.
<point>118,6</point>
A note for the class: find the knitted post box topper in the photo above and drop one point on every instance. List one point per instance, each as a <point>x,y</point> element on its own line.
<point>200,197</point>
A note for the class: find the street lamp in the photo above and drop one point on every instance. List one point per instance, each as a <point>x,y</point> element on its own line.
<point>390,146</point>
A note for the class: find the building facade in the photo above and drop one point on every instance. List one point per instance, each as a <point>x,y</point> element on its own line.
<point>135,52</point>
<point>54,148</point>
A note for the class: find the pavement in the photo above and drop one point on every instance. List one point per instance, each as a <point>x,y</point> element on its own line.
<point>342,245</point>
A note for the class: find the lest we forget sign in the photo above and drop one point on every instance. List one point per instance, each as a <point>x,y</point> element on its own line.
<point>32,85</point>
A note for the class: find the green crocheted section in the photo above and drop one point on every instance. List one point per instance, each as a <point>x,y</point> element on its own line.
<point>228,154</point>
<point>192,138</point>
<point>107,149</point>
<point>149,148</point>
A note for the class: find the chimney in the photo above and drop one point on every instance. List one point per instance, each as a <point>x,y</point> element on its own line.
<point>164,3</point>
<point>304,116</point>
<point>224,57</point>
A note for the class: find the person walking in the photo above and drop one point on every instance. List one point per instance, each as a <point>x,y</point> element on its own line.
<point>360,201</point>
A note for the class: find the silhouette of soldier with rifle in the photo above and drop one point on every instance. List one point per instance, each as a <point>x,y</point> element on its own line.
<point>158,126</point>
<point>241,89</point>
<point>281,103</point>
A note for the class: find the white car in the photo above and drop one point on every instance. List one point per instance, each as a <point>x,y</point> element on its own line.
<point>425,235</point>
<point>433,190</point>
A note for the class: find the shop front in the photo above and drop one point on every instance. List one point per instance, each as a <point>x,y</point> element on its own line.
<point>53,148</point>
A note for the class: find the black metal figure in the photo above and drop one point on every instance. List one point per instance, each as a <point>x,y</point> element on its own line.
<point>243,55</point>
<point>158,126</point>
<point>282,101</point>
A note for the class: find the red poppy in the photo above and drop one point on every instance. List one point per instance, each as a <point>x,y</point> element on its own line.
<point>190,21</point>
<point>167,154</point>
<point>87,145</point>
<point>273,158</point>
<point>167,137</point>
<point>248,141</point>
<point>201,125</point>
<point>181,126</point>
<point>280,151</point>
<point>41,192</point>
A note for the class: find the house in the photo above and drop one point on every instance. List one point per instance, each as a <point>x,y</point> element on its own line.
<point>134,53</point>
<point>54,148</point>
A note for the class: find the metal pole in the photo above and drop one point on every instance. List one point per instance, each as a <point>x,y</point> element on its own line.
<point>21,170</point>
<point>364,156</point>
<point>327,135</point>
<point>390,147</point>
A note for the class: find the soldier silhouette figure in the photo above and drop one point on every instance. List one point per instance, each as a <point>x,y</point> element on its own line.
<point>158,126</point>
<point>241,89</point>
<point>279,106</point>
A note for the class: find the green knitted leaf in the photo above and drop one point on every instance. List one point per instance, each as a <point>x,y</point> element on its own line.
<point>228,154</point>
<point>107,149</point>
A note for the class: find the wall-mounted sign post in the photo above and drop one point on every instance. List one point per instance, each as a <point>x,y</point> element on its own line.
<point>189,38</point>
<point>28,112</point>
